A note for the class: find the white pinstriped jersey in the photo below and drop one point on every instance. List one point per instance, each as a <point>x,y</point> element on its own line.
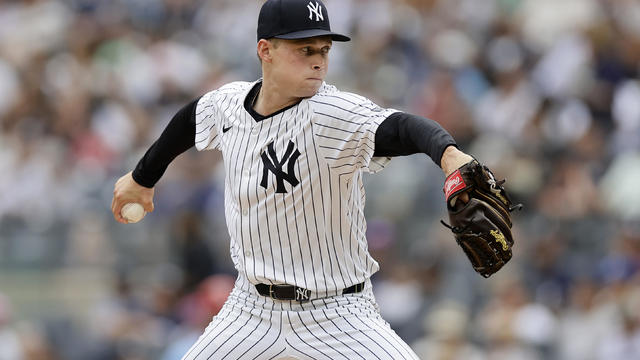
<point>294,198</point>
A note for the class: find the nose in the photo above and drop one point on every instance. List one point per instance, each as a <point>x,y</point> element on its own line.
<point>319,66</point>
<point>319,63</point>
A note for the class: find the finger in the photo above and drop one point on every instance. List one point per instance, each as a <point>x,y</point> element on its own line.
<point>116,213</point>
<point>115,200</point>
<point>119,218</point>
<point>148,207</point>
<point>459,200</point>
<point>116,208</point>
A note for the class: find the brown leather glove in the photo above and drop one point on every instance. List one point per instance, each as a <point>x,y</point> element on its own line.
<point>481,226</point>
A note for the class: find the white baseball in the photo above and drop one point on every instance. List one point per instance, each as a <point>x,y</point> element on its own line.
<point>132,212</point>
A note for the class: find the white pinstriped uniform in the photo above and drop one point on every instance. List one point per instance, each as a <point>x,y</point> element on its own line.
<point>294,206</point>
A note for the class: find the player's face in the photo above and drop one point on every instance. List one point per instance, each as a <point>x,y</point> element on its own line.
<point>301,65</point>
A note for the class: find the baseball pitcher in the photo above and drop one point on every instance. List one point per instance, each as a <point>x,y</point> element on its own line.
<point>295,149</point>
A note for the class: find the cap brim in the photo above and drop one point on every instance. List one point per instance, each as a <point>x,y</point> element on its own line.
<point>312,33</point>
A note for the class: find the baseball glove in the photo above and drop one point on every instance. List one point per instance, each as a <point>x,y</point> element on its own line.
<point>481,226</point>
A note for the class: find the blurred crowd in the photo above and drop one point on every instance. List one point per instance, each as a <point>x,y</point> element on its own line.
<point>545,92</point>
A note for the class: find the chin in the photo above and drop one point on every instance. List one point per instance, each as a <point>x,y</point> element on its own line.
<point>310,90</point>
<point>311,94</point>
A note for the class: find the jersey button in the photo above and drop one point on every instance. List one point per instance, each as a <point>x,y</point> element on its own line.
<point>245,212</point>
<point>247,253</point>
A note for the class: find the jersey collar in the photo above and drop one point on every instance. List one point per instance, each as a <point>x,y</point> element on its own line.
<point>252,96</point>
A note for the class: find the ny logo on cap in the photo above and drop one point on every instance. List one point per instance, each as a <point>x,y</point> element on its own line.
<point>315,9</point>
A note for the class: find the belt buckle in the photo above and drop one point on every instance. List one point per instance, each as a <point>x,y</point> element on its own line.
<point>302,295</point>
<point>271,292</point>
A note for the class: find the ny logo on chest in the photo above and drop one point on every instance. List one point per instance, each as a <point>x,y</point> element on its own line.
<point>271,163</point>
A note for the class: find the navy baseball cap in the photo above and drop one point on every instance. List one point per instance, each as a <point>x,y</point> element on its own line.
<point>295,19</point>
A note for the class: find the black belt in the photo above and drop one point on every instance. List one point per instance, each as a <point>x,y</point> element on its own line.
<point>291,292</point>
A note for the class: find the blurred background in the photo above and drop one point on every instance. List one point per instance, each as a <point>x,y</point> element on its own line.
<point>545,92</point>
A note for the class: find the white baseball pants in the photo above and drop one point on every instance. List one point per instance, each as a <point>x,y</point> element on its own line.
<point>252,326</point>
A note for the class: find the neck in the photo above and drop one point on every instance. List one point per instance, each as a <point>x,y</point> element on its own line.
<point>272,98</point>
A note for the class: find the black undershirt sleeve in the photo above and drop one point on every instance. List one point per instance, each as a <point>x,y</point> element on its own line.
<point>177,137</point>
<point>405,134</point>
<point>398,135</point>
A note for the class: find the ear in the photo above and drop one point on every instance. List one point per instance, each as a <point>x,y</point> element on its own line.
<point>265,49</point>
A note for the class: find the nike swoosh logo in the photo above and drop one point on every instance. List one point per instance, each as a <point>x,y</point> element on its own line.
<point>225,129</point>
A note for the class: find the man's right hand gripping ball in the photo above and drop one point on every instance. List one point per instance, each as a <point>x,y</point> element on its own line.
<point>127,190</point>
<point>482,225</point>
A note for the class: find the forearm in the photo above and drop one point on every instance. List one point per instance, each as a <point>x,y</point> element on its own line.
<point>177,137</point>
<point>405,134</point>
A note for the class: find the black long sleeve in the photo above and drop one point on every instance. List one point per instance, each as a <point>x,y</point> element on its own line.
<point>400,134</point>
<point>405,134</point>
<point>177,137</point>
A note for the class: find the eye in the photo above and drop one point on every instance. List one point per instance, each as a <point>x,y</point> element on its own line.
<point>306,49</point>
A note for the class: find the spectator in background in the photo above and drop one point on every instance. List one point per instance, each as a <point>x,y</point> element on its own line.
<point>447,338</point>
<point>196,257</point>
<point>196,310</point>
<point>10,347</point>
<point>547,88</point>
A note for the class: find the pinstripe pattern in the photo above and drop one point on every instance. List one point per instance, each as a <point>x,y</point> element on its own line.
<point>311,235</point>
<point>251,326</point>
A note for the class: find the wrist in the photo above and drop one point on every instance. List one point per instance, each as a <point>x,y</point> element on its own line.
<point>453,159</point>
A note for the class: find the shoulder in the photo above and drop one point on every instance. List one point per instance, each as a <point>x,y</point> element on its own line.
<point>209,104</point>
<point>236,87</point>
<point>331,98</point>
<point>331,93</point>
<point>226,91</point>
